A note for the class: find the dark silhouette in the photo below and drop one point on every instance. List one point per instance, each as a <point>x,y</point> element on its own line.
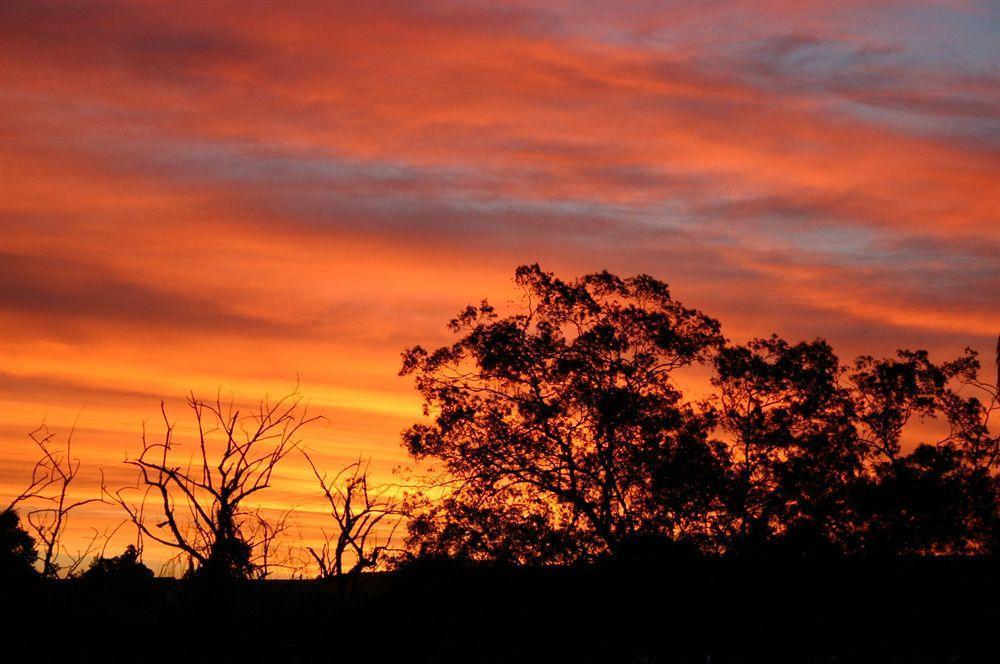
<point>200,508</point>
<point>17,548</point>
<point>580,508</point>
<point>125,568</point>
<point>357,509</point>
<point>941,498</point>
<point>561,428</point>
<point>565,438</point>
<point>49,504</point>
<point>792,449</point>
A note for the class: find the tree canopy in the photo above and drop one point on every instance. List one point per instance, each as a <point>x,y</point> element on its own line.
<point>563,436</point>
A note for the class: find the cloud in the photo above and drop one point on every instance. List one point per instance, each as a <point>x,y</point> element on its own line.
<point>195,195</point>
<point>60,292</point>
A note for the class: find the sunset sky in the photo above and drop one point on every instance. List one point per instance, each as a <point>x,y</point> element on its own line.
<point>201,195</point>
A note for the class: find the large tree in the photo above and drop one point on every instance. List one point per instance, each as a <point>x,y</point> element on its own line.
<point>560,428</point>
<point>819,452</point>
<point>943,497</point>
<point>795,449</point>
<point>563,435</point>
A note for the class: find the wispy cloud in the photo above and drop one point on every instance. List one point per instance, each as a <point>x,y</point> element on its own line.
<point>200,194</point>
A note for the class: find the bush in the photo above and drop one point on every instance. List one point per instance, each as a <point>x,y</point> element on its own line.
<point>17,548</point>
<point>124,568</point>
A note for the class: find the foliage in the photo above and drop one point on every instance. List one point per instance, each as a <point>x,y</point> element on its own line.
<point>793,451</point>
<point>563,437</point>
<point>126,567</point>
<point>17,548</point>
<point>562,421</point>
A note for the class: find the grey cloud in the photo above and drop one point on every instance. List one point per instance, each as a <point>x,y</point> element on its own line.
<point>63,290</point>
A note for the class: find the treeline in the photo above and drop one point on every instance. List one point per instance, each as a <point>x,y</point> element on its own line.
<point>560,435</point>
<point>566,437</point>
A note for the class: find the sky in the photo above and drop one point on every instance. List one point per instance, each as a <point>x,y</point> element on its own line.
<point>208,196</point>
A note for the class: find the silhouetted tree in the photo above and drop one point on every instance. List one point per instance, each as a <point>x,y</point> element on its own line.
<point>888,393</point>
<point>358,510</point>
<point>49,502</point>
<point>565,418</point>
<point>795,451</point>
<point>972,415</point>
<point>817,452</point>
<point>925,503</point>
<point>563,437</point>
<point>201,507</point>
<point>943,497</point>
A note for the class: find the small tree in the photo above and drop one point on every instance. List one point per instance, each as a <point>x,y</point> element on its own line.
<point>358,511</point>
<point>944,496</point>
<point>890,392</point>
<point>49,502</point>
<point>17,548</point>
<point>202,507</point>
<point>972,416</point>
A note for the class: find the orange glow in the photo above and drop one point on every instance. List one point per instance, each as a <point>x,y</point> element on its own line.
<point>201,196</point>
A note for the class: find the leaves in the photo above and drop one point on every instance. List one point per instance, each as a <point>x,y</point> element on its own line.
<point>563,410</point>
<point>561,424</point>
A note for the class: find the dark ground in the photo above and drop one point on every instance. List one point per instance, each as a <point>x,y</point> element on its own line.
<point>711,611</point>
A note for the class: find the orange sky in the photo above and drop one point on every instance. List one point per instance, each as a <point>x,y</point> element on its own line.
<point>205,195</point>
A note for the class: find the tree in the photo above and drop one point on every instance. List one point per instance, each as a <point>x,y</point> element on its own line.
<point>563,437</point>
<point>794,445</point>
<point>928,502</point>
<point>971,418</point>
<point>818,452</point>
<point>888,393</point>
<point>17,548</point>
<point>565,417</point>
<point>358,510</point>
<point>203,508</point>
<point>944,496</point>
<point>50,503</point>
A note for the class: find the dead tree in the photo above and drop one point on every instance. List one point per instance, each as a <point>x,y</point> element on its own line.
<point>49,503</point>
<point>270,552</point>
<point>358,511</point>
<point>202,506</point>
